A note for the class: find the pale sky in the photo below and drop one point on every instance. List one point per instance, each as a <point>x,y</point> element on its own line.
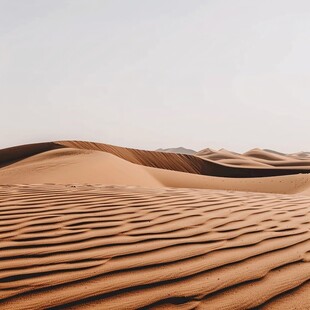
<point>231,74</point>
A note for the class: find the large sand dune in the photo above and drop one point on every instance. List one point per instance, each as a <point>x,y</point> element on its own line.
<point>162,160</point>
<point>77,165</point>
<point>93,226</point>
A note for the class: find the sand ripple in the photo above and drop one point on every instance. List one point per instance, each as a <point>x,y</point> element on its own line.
<point>114,247</point>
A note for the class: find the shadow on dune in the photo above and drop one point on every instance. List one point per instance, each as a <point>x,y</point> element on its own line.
<point>14,154</point>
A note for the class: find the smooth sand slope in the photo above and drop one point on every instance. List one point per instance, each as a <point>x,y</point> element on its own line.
<point>88,247</point>
<point>68,165</point>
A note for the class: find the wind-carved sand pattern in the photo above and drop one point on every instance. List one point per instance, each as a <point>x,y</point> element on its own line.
<point>118,247</point>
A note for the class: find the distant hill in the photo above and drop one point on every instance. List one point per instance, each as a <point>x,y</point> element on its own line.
<point>302,154</point>
<point>178,150</point>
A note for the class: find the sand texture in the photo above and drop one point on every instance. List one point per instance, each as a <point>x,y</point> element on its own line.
<point>93,226</point>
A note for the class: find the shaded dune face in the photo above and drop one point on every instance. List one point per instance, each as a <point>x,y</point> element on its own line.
<point>114,247</point>
<point>14,154</point>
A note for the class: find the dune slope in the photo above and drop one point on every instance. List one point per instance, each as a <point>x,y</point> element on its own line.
<point>68,165</point>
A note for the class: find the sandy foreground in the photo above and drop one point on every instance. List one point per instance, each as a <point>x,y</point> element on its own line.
<point>92,226</point>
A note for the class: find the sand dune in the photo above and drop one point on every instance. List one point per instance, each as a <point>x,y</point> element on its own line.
<point>257,158</point>
<point>195,164</point>
<point>76,166</point>
<point>226,157</point>
<point>97,247</point>
<point>302,155</point>
<point>70,165</point>
<point>13,154</point>
<point>93,226</point>
<point>162,160</point>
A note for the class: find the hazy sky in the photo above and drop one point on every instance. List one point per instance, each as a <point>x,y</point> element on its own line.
<point>156,73</point>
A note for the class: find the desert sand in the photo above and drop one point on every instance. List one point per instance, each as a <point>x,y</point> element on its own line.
<point>257,158</point>
<point>94,226</point>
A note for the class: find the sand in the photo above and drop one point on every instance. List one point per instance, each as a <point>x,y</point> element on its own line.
<point>92,226</point>
<point>257,158</point>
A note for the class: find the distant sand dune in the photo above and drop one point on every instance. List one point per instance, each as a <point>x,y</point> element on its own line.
<point>115,247</point>
<point>178,150</point>
<point>257,158</point>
